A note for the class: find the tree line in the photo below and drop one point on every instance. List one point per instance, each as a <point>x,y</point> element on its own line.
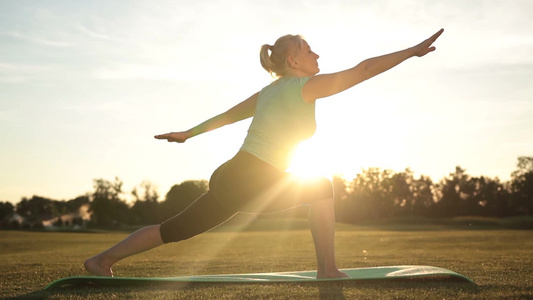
<point>373,194</point>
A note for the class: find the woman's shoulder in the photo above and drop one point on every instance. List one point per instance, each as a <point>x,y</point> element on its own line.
<point>284,86</point>
<point>295,80</point>
<point>289,82</point>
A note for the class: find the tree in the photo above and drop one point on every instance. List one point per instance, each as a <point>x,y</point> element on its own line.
<point>73,206</point>
<point>449,204</point>
<point>463,195</point>
<point>145,210</point>
<point>425,196</point>
<point>522,186</point>
<point>36,209</point>
<point>107,208</point>
<point>494,197</point>
<point>370,195</point>
<point>402,192</point>
<point>6,211</point>
<point>182,195</point>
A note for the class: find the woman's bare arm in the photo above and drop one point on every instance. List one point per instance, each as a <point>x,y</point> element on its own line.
<point>241,111</point>
<point>325,85</point>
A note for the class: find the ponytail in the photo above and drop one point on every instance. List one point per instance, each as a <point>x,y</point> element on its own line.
<point>276,62</point>
<point>266,62</point>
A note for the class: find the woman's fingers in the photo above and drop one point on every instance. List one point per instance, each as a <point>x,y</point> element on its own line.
<point>433,38</point>
<point>425,47</point>
<point>162,136</point>
<point>171,137</point>
<point>436,35</point>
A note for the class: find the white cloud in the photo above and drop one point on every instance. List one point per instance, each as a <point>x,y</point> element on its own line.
<point>38,40</point>
<point>92,33</point>
<point>23,68</point>
<point>128,71</point>
<point>12,79</point>
<point>12,73</point>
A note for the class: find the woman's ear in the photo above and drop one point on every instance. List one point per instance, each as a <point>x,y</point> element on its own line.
<point>291,62</point>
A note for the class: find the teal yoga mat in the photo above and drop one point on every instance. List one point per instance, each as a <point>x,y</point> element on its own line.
<point>389,272</point>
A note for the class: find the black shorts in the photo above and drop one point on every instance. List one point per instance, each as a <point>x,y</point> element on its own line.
<point>244,184</point>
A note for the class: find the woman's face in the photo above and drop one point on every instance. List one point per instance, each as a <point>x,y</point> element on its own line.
<point>306,61</point>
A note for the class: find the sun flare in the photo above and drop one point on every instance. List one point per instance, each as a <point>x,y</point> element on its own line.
<point>312,158</point>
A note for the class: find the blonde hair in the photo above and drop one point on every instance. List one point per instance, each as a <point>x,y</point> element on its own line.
<point>276,63</point>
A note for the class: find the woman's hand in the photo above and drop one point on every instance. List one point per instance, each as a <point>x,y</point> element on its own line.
<point>425,47</point>
<point>178,137</point>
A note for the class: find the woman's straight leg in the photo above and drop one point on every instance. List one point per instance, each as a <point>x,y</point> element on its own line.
<point>202,215</point>
<point>322,221</point>
<point>141,240</point>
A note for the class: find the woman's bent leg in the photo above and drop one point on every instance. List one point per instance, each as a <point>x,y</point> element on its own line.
<point>322,221</point>
<point>141,240</point>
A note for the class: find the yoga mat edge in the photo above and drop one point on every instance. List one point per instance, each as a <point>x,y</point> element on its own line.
<point>382,273</point>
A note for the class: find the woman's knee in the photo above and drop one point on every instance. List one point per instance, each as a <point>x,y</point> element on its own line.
<point>202,215</point>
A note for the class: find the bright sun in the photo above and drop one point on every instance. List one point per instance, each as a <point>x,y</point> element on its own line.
<point>313,158</point>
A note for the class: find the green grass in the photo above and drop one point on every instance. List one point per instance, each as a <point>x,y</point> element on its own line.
<point>499,261</point>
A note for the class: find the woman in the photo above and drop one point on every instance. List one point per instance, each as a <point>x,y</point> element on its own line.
<point>255,179</point>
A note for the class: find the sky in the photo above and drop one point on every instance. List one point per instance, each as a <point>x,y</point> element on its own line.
<point>85,85</point>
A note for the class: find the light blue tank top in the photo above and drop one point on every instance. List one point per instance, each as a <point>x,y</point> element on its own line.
<point>282,120</point>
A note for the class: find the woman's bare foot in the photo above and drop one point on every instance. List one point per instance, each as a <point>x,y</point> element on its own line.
<point>331,274</point>
<point>96,266</point>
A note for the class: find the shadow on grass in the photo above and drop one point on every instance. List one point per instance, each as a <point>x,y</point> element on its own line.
<point>389,287</point>
<point>326,290</point>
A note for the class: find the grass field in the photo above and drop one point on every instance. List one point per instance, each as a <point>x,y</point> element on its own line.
<point>499,261</point>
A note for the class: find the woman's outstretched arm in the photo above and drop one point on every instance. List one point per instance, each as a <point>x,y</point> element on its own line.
<point>241,111</point>
<point>325,85</point>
